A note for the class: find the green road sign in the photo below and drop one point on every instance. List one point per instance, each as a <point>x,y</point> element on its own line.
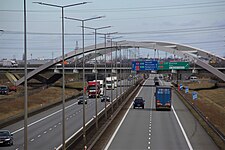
<point>172,65</point>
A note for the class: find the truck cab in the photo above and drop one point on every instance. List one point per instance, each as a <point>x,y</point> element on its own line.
<point>163,97</point>
<point>93,89</point>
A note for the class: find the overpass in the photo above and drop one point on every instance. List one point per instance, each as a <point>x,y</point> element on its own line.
<point>193,54</point>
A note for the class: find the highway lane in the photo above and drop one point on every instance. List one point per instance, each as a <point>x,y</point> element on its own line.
<point>45,129</point>
<point>159,130</point>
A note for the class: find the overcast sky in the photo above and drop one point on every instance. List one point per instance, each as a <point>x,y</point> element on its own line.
<point>199,23</point>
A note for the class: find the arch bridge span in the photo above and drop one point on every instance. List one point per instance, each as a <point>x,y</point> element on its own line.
<point>190,53</point>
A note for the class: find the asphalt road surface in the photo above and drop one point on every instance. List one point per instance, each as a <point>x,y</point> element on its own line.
<point>159,130</point>
<point>45,129</point>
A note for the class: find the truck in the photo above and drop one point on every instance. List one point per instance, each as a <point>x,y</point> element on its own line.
<point>163,97</point>
<point>101,87</point>
<point>9,63</point>
<point>93,89</point>
<point>109,83</point>
<point>115,81</point>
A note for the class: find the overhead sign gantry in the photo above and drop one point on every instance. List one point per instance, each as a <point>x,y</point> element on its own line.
<point>155,65</point>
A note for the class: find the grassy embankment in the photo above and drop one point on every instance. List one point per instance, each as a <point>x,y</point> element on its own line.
<point>13,104</point>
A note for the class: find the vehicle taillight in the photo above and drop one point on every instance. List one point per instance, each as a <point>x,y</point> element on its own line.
<point>158,101</point>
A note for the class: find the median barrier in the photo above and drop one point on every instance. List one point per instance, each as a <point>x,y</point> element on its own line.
<point>92,134</point>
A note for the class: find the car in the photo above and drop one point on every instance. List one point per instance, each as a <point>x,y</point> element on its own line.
<point>12,88</point>
<point>139,102</point>
<point>193,79</point>
<point>156,81</point>
<point>6,138</point>
<point>80,100</point>
<point>105,98</point>
<point>4,90</point>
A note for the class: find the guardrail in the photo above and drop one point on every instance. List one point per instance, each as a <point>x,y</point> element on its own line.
<point>75,141</point>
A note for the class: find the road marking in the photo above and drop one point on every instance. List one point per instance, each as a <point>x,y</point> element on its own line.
<point>182,129</point>
<point>45,132</point>
<point>150,122</point>
<point>32,140</point>
<point>117,129</point>
<point>35,122</point>
<point>50,129</point>
<point>39,135</point>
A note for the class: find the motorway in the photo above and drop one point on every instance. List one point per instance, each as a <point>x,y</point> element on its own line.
<point>45,129</point>
<point>159,130</point>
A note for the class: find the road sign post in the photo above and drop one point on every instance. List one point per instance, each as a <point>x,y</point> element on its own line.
<point>186,89</point>
<point>194,95</point>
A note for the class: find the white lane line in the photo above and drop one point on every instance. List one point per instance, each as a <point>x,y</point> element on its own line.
<point>60,146</point>
<point>182,129</point>
<point>39,135</point>
<point>32,140</point>
<point>45,132</point>
<point>35,122</point>
<point>150,122</point>
<point>117,129</point>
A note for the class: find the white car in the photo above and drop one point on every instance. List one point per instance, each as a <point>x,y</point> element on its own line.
<point>193,79</point>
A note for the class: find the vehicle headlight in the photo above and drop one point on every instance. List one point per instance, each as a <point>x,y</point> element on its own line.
<point>7,139</point>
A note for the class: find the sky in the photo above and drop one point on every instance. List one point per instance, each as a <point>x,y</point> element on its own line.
<point>198,23</point>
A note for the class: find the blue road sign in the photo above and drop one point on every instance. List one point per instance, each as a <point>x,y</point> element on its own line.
<point>186,89</point>
<point>144,65</point>
<point>194,95</point>
<point>181,86</point>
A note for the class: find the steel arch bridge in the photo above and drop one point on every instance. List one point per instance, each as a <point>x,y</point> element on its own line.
<point>190,53</point>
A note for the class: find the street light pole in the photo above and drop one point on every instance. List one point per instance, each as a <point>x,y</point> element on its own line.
<point>25,80</point>
<point>84,98</point>
<point>96,104</point>
<point>105,37</point>
<point>63,65</point>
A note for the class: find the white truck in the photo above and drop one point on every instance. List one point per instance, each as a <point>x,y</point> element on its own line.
<point>115,81</point>
<point>9,63</point>
<point>109,83</point>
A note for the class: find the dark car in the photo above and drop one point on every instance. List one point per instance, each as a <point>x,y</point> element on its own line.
<point>4,90</point>
<point>80,100</point>
<point>105,98</point>
<point>6,138</point>
<point>139,102</point>
<point>156,81</point>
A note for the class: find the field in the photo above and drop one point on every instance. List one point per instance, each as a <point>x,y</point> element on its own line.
<point>13,104</point>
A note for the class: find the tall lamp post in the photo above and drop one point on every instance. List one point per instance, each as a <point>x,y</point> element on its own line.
<point>25,79</point>
<point>82,25</point>
<point>96,106</point>
<point>105,38</point>
<point>63,58</point>
<point>111,39</point>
